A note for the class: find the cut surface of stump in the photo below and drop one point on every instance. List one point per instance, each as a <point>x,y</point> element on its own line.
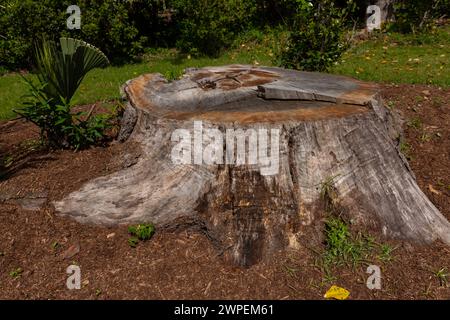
<point>317,127</point>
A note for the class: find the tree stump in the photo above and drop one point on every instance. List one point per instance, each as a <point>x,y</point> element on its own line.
<point>329,128</point>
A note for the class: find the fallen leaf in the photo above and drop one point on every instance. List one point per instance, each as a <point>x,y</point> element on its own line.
<point>336,292</point>
<point>433,190</point>
<point>71,251</point>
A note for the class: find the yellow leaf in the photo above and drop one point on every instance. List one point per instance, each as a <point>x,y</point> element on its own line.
<point>336,292</point>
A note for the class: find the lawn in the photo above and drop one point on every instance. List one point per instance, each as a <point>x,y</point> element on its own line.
<point>390,58</point>
<point>420,59</point>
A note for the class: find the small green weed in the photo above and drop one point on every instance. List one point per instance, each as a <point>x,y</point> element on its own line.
<point>140,232</point>
<point>55,245</point>
<point>343,248</point>
<point>386,251</point>
<point>415,123</point>
<point>133,242</point>
<point>16,273</point>
<point>442,275</point>
<point>425,137</point>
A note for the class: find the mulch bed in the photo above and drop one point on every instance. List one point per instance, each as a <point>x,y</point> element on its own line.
<point>185,265</point>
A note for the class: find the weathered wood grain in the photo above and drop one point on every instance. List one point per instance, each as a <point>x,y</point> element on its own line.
<point>330,126</point>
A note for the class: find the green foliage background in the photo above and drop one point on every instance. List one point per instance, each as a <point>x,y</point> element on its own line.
<point>126,30</point>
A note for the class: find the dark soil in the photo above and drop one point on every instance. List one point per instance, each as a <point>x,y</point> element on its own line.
<point>185,265</point>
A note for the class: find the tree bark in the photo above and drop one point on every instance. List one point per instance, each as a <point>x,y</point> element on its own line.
<point>386,7</point>
<point>329,126</point>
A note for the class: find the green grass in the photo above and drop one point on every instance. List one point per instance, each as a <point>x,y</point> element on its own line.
<point>389,58</point>
<point>442,275</point>
<point>344,248</point>
<point>416,59</point>
<point>386,253</point>
<point>11,89</point>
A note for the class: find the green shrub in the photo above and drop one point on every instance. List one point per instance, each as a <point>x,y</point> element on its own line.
<point>413,16</point>
<point>21,22</point>
<point>107,25</point>
<point>317,38</point>
<point>121,29</point>
<point>60,73</point>
<point>59,127</point>
<point>208,26</point>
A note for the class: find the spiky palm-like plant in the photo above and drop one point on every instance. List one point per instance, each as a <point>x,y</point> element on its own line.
<point>60,72</point>
<point>63,70</point>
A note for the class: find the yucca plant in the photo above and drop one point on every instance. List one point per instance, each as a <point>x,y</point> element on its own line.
<point>60,73</point>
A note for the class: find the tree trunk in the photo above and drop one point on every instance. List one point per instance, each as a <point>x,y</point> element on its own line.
<point>386,7</point>
<point>328,128</point>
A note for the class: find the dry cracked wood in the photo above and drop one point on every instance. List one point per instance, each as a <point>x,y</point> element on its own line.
<point>329,126</point>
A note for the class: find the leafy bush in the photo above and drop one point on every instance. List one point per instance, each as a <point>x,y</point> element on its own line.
<point>121,29</point>
<point>21,22</point>
<point>208,26</point>
<point>48,104</point>
<point>109,26</point>
<point>413,16</point>
<point>317,38</point>
<point>59,127</point>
